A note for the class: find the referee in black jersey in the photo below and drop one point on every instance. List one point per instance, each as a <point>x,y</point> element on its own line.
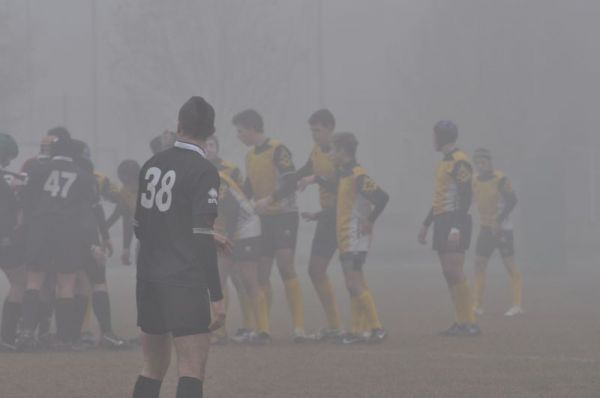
<point>177,273</point>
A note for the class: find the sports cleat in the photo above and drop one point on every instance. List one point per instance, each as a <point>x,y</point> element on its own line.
<point>516,310</point>
<point>88,338</point>
<point>25,341</point>
<point>472,330</point>
<point>377,336</point>
<point>262,338</point>
<point>351,338</point>
<point>300,336</point>
<point>112,341</point>
<point>329,335</point>
<point>242,336</point>
<point>454,330</point>
<point>478,311</point>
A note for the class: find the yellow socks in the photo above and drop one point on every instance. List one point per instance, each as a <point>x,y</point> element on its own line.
<point>463,303</point>
<point>368,305</point>
<point>87,320</point>
<point>294,296</point>
<point>479,288</point>
<point>268,293</point>
<point>261,312</point>
<point>327,297</point>
<point>516,283</point>
<point>247,308</point>
<point>355,315</point>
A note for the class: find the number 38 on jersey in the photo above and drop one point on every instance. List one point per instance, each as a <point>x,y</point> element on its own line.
<point>159,189</point>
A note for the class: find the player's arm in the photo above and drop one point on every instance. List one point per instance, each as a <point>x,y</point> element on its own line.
<point>305,175</point>
<point>289,179</point>
<point>230,208</point>
<point>237,177</point>
<point>247,188</point>
<point>369,189</point>
<point>510,199</point>
<point>462,174</point>
<point>204,213</point>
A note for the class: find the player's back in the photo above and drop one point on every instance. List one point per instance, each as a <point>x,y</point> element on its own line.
<point>169,200</point>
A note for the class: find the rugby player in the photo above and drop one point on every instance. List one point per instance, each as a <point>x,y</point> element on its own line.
<point>360,201</point>
<point>320,167</point>
<point>241,225</point>
<point>452,224</point>
<point>271,181</point>
<point>177,270</point>
<point>495,200</point>
<point>9,261</point>
<point>64,194</point>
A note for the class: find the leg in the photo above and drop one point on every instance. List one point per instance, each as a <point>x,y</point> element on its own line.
<point>453,268</point>
<point>481,264</point>
<point>287,271</point>
<point>31,300</point>
<point>265,265</point>
<point>66,324</point>
<point>248,273</point>
<point>516,280</point>
<point>317,270</point>
<point>192,354</point>
<point>11,311</point>
<point>157,357</point>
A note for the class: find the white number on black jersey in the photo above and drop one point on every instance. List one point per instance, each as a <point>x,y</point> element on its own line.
<point>60,182</point>
<point>163,196</point>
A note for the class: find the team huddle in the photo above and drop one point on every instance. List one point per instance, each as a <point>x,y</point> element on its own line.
<point>201,221</point>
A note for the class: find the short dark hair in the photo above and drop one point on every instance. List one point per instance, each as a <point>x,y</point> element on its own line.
<point>446,132</point>
<point>323,117</point>
<point>59,132</point>
<point>128,171</point>
<point>346,142</point>
<point>197,118</point>
<point>249,119</point>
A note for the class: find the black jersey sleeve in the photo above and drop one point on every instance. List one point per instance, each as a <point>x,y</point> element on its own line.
<point>305,170</point>
<point>374,194</point>
<point>100,217</point>
<point>282,159</point>
<point>463,175</point>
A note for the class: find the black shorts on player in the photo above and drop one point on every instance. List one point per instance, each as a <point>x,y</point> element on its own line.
<point>442,226</point>
<point>246,250</point>
<point>488,241</point>
<point>179,310</point>
<point>324,243</point>
<point>279,232</point>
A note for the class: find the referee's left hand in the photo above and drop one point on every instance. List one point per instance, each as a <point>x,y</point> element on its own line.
<point>224,245</point>
<point>218,309</point>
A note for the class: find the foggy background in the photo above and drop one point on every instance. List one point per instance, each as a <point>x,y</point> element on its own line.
<point>519,77</point>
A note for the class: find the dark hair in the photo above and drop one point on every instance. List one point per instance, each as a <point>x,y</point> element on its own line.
<point>197,118</point>
<point>156,145</point>
<point>63,147</point>
<point>346,142</point>
<point>59,132</point>
<point>249,119</point>
<point>446,132</point>
<point>323,117</point>
<point>9,149</point>
<point>128,171</point>
<point>81,149</point>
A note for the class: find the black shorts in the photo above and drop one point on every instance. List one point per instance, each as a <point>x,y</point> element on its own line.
<point>13,255</point>
<point>442,225</point>
<point>324,243</point>
<point>488,242</point>
<point>53,247</point>
<point>95,270</point>
<point>245,250</point>
<point>278,232</point>
<point>353,261</point>
<point>179,310</point>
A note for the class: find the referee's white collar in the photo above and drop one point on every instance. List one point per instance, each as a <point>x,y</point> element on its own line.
<point>66,158</point>
<point>190,147</point>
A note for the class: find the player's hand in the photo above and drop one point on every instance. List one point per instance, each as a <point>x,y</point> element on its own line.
<point>218,310</point>
<point>366,227</point>
<point>423,235</point>
<point>261,205</point>
<point>305,182</point>
<point>306,216</point>
<point>454,238</point>
<point>126,257</point>
<point>99,255</point>
<point>224,245</point>
<point>108,247</point>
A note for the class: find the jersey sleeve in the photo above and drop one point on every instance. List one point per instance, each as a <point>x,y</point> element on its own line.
<point>369,189</point>
<point>306,170</point>
<point>462,173</point>
<point>205,200</point>
<point>282,158</point>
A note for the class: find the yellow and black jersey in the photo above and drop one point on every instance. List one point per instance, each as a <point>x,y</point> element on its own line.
<point>452,187</point>
<point>495,199</point>
<point>107,189</point>
<point>236,218</point>
<point>230,170</point>
<point>271,172</point>
<point>320,165</point>
<point>359,200</point>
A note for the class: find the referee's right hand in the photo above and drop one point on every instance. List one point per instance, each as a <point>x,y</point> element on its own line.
<point>218,310</point>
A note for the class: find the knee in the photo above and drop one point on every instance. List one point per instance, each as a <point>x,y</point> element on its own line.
<point>287,272</point>
<point>191,367</point>
<point>316,273</point>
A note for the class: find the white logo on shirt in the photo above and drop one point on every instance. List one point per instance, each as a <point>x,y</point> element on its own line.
<point>213,196</point>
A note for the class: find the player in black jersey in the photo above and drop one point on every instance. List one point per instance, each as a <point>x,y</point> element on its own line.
<point>54,244</point>
<point>11,311</point>
<point>177,270</point>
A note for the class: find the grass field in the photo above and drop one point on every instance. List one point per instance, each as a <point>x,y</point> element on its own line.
<point>552,351</point>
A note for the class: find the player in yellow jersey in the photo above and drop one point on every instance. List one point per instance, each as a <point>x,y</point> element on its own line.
<point>495,200</point>
<point>318,168</point>
<point>452,224</point>
<point>360,202</point>
<point>237,223</point>
<point>271,181</point>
